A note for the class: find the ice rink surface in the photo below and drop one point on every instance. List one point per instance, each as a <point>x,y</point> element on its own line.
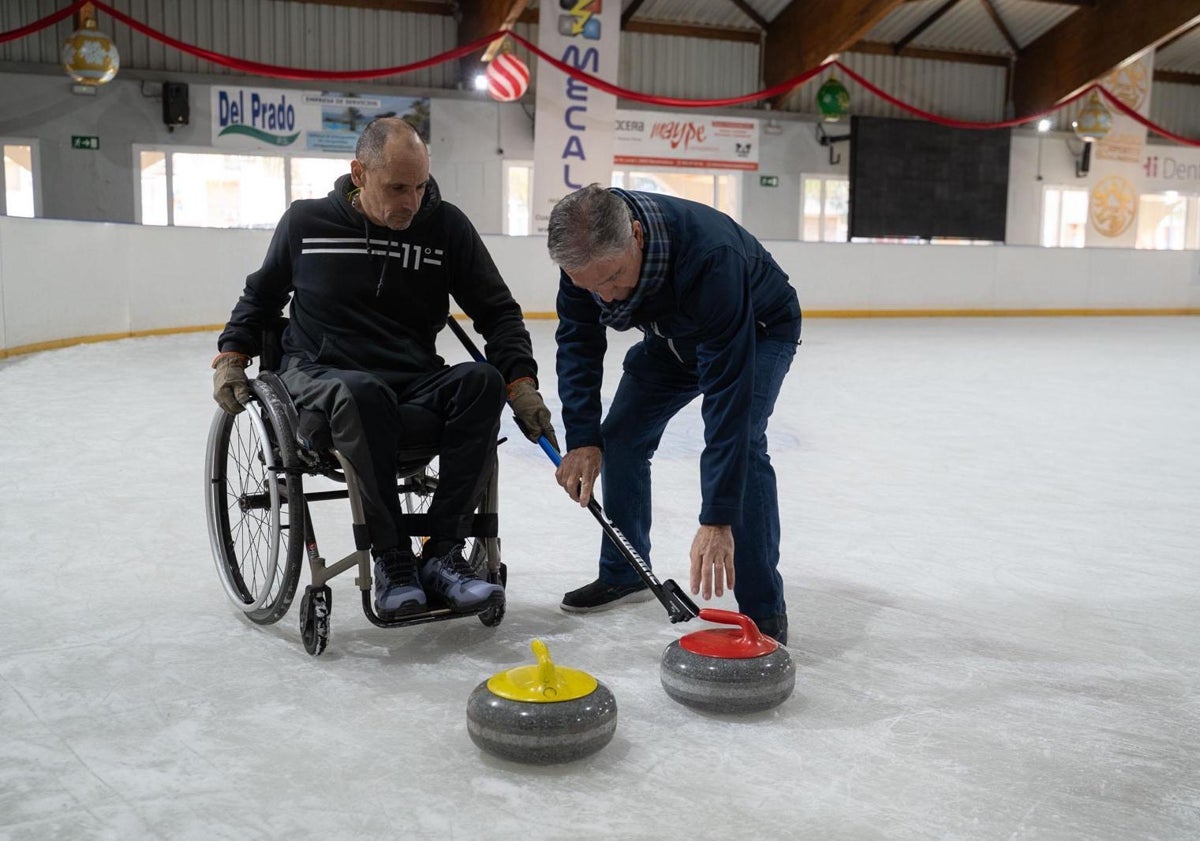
<point>992,557</point>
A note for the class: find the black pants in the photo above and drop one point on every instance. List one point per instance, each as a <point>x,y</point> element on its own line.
<point>368,428</point>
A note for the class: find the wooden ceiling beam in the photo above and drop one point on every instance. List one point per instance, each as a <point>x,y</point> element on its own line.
<point>752,13</point>
<point>994,14</point>
<point>628,14</point>
<point>1090,43</point>
<point>684,30</point>
<point>880,48</point>
<point>420,7</point>
<point>916,31</point>
<point>479,18</point>
<point>807,32</point>
<point>1176,77</point>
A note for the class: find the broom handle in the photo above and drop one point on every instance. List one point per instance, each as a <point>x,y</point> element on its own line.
<point>680,608</point>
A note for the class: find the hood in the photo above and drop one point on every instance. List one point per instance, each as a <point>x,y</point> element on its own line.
<point>343,187</point>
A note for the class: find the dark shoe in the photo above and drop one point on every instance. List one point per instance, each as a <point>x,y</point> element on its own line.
<point>450,579</point>
<point>600,596</point>
<point>397,588</point>
<point>774,627</point>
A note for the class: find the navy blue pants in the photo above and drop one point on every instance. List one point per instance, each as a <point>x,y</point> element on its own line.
<point>652,390</point>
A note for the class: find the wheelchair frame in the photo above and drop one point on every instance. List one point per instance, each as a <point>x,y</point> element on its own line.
<point>259,520</point>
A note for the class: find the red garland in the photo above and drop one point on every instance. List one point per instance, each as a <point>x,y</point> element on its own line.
<point>600,84</point>
<point>259,69</point>
<point>275,71</point>
<point>947,121</point>
<point>42,23</point>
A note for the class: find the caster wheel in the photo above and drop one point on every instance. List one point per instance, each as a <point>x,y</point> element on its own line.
<point>314,618</point>
<point>493,616</point>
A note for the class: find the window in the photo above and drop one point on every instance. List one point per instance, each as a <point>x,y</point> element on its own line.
<point>312,178</point>
<point>518,198</point>
<point>18,180</point>
<point>1168,221</point>
<point>826,209</point>
<point>154,195</point>
<point>715,189</point>
<point>1064,217</point>
<point>215,190</point>
<point>719,190</point>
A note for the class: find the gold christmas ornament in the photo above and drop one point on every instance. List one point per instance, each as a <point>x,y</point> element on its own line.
<point>89,56</point>
<point>1094,120</point>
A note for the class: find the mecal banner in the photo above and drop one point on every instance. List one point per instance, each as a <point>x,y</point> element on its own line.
<point>573,139</point>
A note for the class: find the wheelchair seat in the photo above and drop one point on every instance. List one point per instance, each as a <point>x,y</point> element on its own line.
<point>419,429</point>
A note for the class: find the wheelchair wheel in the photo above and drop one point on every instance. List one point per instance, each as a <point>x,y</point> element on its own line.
<point>255,508</point>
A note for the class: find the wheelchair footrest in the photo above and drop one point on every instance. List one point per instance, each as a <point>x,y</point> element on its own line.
<point>437,614</point>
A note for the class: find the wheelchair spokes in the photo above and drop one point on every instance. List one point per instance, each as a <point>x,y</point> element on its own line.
<point>256,557</point>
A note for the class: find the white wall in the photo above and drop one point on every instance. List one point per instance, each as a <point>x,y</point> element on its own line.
<point>62,280</point>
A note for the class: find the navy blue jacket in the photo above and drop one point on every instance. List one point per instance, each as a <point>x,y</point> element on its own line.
<point>722,292</point>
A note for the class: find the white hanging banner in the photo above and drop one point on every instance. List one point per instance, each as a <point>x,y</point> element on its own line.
<point>1118,166</point>
<point>573,137</point>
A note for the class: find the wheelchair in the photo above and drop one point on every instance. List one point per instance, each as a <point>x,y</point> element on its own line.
<point>259,520</point>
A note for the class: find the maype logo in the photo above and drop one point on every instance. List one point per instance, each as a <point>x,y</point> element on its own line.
<point>268,120</point>
<point>581,18</point>
<point>678,133</point>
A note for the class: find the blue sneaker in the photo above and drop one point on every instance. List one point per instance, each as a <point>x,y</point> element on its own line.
<point>450,579</point>
<point>397,586</point>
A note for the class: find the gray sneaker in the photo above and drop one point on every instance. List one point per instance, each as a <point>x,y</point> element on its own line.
<point>450,579</point>
<point>599,596</point>
<point>397,587</point>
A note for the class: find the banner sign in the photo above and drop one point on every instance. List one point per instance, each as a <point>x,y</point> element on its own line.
<point>573,137</point>
<point>654,138</point>
<point>270,118</point>
<point>1170,168</point>
<point>1118,160</point>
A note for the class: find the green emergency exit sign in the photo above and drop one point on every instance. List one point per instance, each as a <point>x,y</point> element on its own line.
<point>768,180</point>
<point>84,141</point>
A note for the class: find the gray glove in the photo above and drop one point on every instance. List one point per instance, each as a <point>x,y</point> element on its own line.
<point>231,389</point>
<point>529,410</point>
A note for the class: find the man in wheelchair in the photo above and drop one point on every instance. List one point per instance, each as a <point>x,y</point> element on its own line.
<point>370,270</point>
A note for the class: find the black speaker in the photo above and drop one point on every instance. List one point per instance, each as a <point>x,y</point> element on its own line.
<point>175,104</point>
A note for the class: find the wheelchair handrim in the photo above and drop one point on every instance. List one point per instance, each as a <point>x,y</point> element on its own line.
<point>216,500</point>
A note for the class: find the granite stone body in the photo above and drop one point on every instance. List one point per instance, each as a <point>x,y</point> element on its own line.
<point>541,733</point>
<point>727,685</point>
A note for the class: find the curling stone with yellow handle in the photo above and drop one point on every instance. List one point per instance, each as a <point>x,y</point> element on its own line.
<point>728,670</point>
<point>541,714</point>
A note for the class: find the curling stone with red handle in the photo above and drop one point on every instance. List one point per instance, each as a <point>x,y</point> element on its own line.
<point>728,670</point>
<point>542,714</point>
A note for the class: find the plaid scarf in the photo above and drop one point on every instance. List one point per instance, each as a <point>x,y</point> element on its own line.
<point>656,257</point>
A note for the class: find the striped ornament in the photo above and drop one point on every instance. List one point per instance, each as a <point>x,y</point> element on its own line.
<point>507,77</point>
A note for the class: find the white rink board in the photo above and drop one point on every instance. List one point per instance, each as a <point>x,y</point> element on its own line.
<point>61,280</point>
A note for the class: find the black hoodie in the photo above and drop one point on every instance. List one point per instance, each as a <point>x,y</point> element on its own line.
<point>368,298</point>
